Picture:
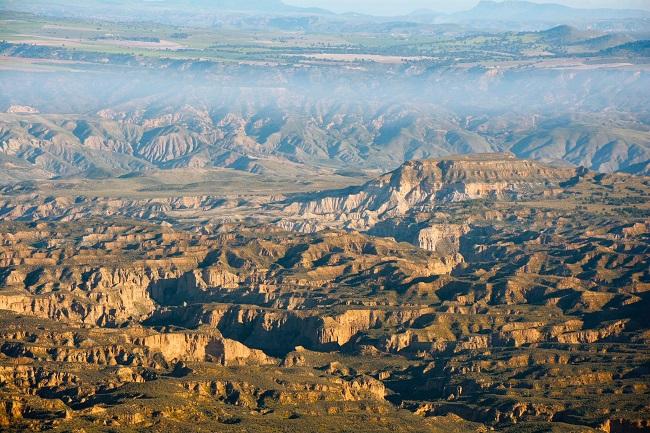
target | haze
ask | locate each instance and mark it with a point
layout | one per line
(242, 216)
(392, 7)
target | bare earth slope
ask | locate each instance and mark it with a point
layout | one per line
(458, 294)
(421, 185)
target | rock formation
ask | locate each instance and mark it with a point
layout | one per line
(480, 293)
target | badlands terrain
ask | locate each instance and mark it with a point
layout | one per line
(221, 216)
(462, 294)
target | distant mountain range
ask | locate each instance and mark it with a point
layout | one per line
(525, 11)
(123, 6)
(509, 14)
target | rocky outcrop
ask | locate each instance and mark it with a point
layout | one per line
(420, 185)
(77, 208)
(97, 309)
(442, 238)
(506, 313)
(202, 347)
(22, 109)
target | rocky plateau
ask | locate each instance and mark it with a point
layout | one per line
(459, 294)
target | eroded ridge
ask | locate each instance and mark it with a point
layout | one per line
(520, 305)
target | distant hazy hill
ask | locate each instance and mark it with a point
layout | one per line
(507, 15)
(179, 12)
(329, 134)
(229, 4)
(636, 48)
(232, 5)
(262, 5)
(526, 14)
(591, 40)
(564, 33)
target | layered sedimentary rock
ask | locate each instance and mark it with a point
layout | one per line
(443, 237)
(519, 308)
(417, 186)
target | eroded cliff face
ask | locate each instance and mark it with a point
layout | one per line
(71, 283)
(203, 347)
(133, 346)
(279, 332)
(419, 185)
(36, 207)
(500, 312)
(442, 238)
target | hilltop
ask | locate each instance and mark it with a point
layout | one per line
(419, 185)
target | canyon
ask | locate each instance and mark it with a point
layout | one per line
(249, 216)
(463, 293)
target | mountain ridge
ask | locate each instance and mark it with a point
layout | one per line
(529, 14)
(420, 185)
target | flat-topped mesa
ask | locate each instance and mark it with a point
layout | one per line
(417, 185)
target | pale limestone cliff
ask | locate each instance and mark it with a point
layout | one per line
(418, 185)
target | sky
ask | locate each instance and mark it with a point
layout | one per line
(395, 7)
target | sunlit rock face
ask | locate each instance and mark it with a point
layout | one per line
(244, 216)
(418, 186)
(428, 289)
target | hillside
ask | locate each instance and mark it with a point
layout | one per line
(198, 127)
(477, 301)
(249, 217)
(531, 15)
(419, 186)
